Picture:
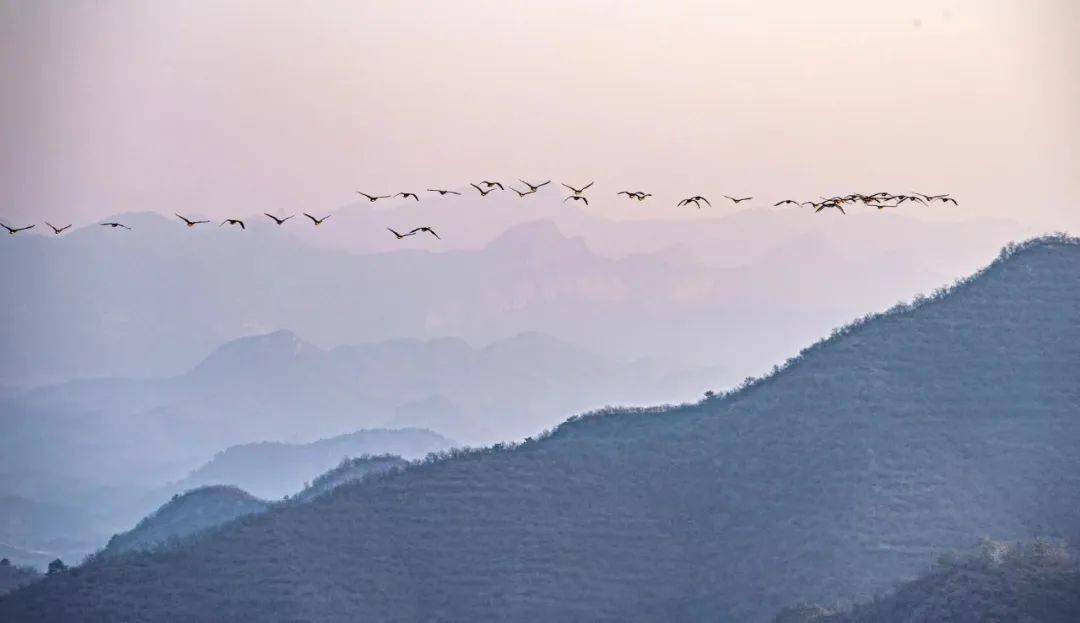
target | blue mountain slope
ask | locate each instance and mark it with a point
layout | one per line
(902, 436)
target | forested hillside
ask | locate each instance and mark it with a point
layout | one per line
(847, 470)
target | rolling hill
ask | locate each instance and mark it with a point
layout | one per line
(272, 470)
(1037, 581)
(184, 515)
(848, 469)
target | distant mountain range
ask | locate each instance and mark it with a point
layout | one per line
(733, 292)
(210, 506)
(61, 516)
(272, 470)
(851, 467)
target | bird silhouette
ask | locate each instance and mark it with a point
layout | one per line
(399, 235)
(492, 184)
(578, 191)
(14, 230)
(576, 198)
(830, 204)
(522, 193)
(317, 221)
(373, 198)
(947, 200)
(407, 195)
(277, 220)
(738, 199)
(233, 221)
(629, 194)
(780, 203)
(115, 225)
(534, 187)
(422, 229)
(696, 200)
(483, 193)
(443, 191)
(640, 196)
(57, 230)
(190, 223)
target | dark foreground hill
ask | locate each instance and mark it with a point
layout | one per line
(1032, 582)
(13, 576)
(902, 436)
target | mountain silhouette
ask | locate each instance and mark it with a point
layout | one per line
(851, 467)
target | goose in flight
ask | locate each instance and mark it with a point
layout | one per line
(522, 193)
(696, 200)
(233, 221)
(738, 200)
(791, 201)
(534, 187)
(277, 220)
(637, 194)
(947, 200)
(578, 191)
(407, 195)
(423, 229)
(190, 223)
(57, 230)
(829, 204)
(483, 193)
(115, 225)
(399, 235)
(576, 198)
(372, 198)
(640, 196)
(443, 192)
(492, 184)
(14, 230)
(317, 221)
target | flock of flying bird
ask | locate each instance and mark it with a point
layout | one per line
(879, 200)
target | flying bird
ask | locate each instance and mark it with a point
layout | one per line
(277, 220)
(423, 229)
(399, 235)
(483, 193)
(947, 200)
(443, 191)
(14, 230)
(630, 195)
(696, 200)
(578, 191)
(190, 223)
(830, 204)
(373, 198)
(407, 195)
(534, 187)
(233, 221)
(576, 198)
(317, 221)
(57, 230)
(522, 193)
(738, 199)
(780, 203)
(492, 184)
(115, 225)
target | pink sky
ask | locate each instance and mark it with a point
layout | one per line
(207, 106)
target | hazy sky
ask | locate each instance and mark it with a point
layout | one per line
(207, 106)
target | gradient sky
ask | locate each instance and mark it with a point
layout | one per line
(203, 106)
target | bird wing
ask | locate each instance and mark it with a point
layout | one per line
(586, 186)
(313, 219)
